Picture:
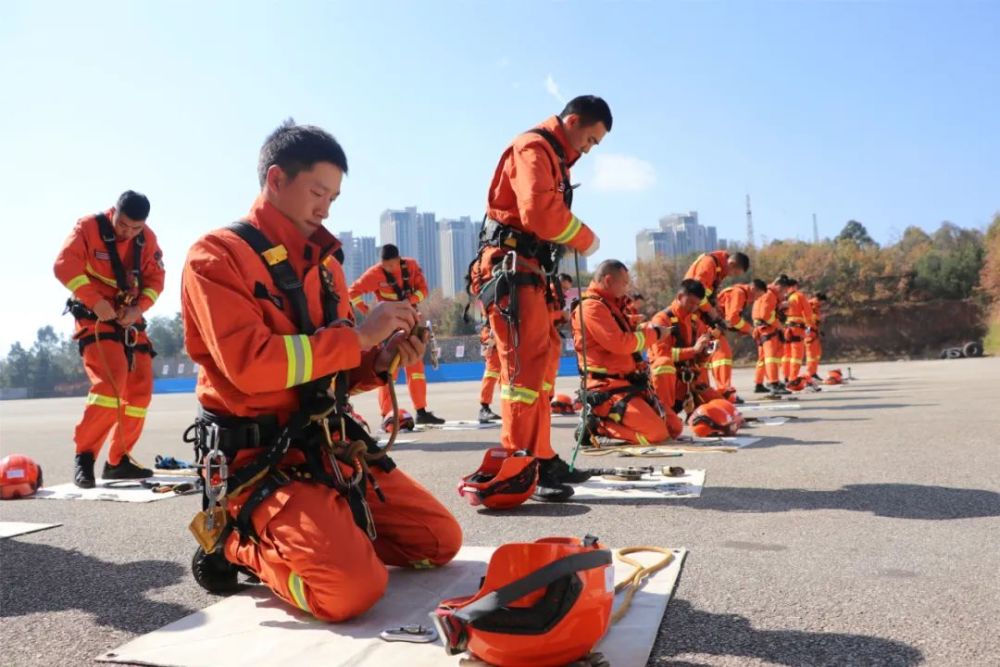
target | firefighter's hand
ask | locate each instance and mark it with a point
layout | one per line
(703, 341)
(409, 347)
(105, 311)
(594, 247)
(129, 315)
(661, 332)
(385, 319)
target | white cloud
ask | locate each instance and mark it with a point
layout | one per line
(553, 89)
(622, 173)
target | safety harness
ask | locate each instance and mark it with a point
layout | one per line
(638, 380)
(403, 291)
(129, 285)
(323, 428)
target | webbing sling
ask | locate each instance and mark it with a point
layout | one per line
(557, 148)
(107, 231)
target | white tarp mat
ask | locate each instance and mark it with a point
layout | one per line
(15, 528)
(768, 421)
(656, 486)
(125, 491)
(772, 406)
(255, 628)
(455, 425)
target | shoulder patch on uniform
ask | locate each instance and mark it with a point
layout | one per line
(102, 254)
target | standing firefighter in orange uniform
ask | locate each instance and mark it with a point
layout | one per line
(114, 268)
(814, 347)
(676, 360)
(397, 278)
(732, 301)
(710, 269)
(767, 333)
(798, 322)
(528, 222)
(623, 404)
(491, 375)
(297, 493)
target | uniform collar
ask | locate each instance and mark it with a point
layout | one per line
(555, 126)
(280, 230)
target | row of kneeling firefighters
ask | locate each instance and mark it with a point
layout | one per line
(296, 491)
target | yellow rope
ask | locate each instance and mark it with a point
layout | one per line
(634, 581)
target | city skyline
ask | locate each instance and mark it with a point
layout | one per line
(679, 234)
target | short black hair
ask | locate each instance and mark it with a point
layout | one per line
(591, 109)
(742, 259)
(760, 284)
(821, 296)
(783, 280)
(389, 251)
(133, 204)
(692, 287)
(637, 296)
(565, 276)
(793, 282)
(296, 148)
(608, 267)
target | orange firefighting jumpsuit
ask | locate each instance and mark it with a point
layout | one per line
(491, 375)
(767, 333)
(710, 269)
(798, 316)
(677, 348)
(614, 352)
(119, 397)
(252, 358)
(414, 289)
(527, 195)
(814, 348)
(731, 302)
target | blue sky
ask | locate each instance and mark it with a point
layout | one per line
(886, 112)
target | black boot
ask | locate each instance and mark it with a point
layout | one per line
(214, 573)
(760, 389)
(426, 417)
(486, 415)
(778, 389)
(817, 378)
(554, 472)
(127, 468)
(83, 470)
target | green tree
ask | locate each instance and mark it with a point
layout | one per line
(166, 334)
(856, 233)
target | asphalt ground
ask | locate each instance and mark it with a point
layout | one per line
(863, 533)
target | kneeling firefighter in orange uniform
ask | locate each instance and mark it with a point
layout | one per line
(114, 268)
(528, 222)
(397, 278)
(297, 493)
(622, 403)
(676, 361)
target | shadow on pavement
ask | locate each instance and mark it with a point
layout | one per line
(686, 630)
(877, 406)
(43, 578)
(897, 501)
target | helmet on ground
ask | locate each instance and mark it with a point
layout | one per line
(834, 377)
(545, 603)
(715, 418)
(562, 404)
(503, 480)
(20, 477)
(406, 422)
(798, 384)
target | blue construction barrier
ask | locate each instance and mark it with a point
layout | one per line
(454, 372)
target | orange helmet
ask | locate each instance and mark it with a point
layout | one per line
(20, 477)
(406, 422)
(717, 417)
(562, 404)
(798, 384)
(545, 603)
(503, 480)
(734, 412)
(834, 377)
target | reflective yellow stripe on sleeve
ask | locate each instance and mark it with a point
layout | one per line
(664, 370)
(76, 283)
(298, 349)
(151, 293)
(571, 230)
(640, 341)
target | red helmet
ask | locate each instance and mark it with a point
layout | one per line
(798, 384)
(562, 404)
(544, 603)
(504, 480)
(834, 377)
(734, 412)
(717, 417)
(20, 477)
(406, 422)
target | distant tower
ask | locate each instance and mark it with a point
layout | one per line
(815, 230)
(750, 242)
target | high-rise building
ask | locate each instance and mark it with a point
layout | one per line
(360, 252)
(416, 235)
(459, 241)
(652, 243)
(679, 234)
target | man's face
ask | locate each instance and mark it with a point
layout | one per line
(305, 199)
(391, 265)
(689, 302)
(566, 284)
(125, 227)
(734, 268)
(616, 283)
(583, 137)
